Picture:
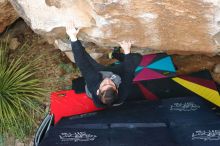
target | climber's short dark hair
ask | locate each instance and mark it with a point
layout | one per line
(109, 96)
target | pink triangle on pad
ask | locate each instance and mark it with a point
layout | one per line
(147, 59)
(147, 74)
(147, 93)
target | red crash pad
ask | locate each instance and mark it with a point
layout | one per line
(68, 103)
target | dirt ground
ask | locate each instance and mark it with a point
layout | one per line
(57, 71)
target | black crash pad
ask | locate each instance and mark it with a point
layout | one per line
(168, 122)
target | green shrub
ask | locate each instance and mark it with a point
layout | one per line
(20, 94)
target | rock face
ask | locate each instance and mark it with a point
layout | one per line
(180, 26)
(217, 69)
(7, 14)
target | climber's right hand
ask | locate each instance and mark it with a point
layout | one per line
(126, 46)
(72, 31)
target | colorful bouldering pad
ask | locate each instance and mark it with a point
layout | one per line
(155, 66)
(196, 84)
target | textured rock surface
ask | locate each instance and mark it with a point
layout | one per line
(217, 69)
(66, 48)
(14, 43)
(7, 14)
(182, 26)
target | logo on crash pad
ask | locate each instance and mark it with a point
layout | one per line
(206, 135)
(186, 107)
(77, 137)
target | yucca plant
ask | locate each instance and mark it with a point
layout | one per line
(20, 94)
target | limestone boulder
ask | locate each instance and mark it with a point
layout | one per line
(176, 26)
(7, 14)
(217, 69)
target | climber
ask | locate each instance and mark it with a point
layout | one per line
(106, 85)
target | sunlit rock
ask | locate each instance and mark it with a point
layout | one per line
(7, 14)
(177, 26)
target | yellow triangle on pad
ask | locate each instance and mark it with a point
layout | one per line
(207, 93)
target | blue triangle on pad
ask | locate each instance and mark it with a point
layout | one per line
(139, 68)
(164, 64)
